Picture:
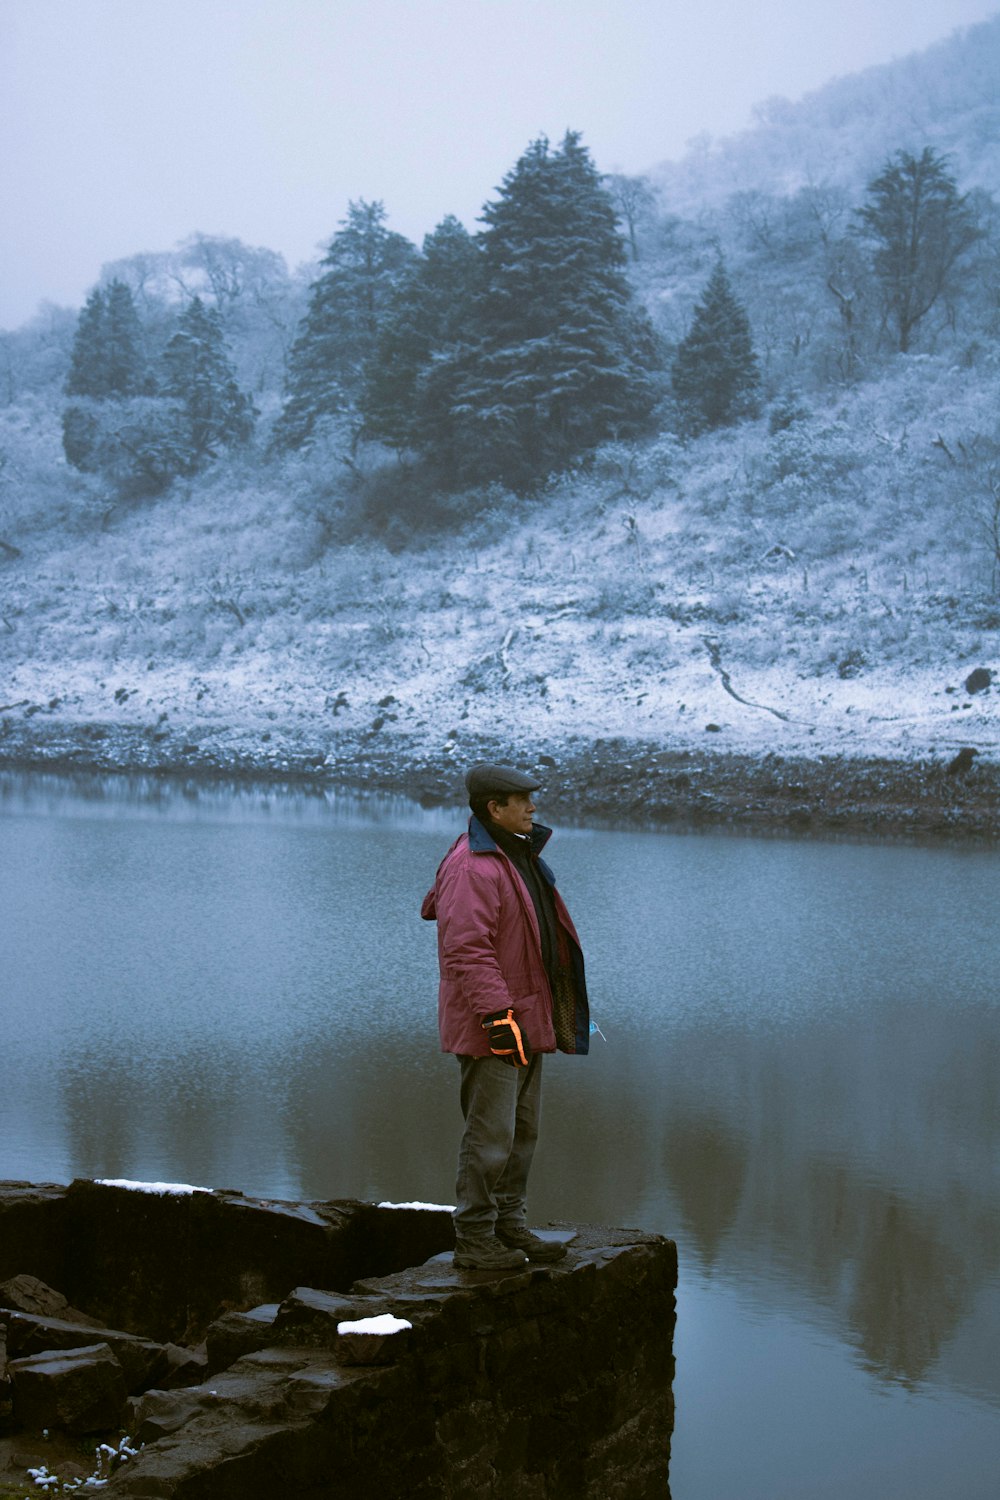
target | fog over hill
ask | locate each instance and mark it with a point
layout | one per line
(814, 572)
(947, 97)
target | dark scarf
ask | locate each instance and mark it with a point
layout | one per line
(525, 861)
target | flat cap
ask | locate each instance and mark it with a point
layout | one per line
(482, 779)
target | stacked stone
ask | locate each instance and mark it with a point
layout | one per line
(387, 1371)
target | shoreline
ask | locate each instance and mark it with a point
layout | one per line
(622, 780)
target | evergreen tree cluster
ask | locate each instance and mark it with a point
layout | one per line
(140, 427)
(510, 354)
(502, 356)
(835, 282)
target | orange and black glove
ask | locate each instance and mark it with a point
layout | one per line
(506, 1039)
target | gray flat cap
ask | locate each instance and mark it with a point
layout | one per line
(482, 779)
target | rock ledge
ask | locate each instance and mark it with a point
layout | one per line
(213, 1335)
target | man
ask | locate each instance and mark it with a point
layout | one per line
(512, 988)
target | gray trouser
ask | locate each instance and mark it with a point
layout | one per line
(502, 1108)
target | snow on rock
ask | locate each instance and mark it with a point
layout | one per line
(440, 1208)
(149, 1187)
(384, 1323)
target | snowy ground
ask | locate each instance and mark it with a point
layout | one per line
(703, 736)
(221, 632)
(256, 702)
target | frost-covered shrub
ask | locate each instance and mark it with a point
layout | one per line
(138, 445)
(727, 603)
(785, 412)
(721, 481)
(834, 528)
(623, 594)
(819, 454)
(35, 357)
(356, 491)
(651, 650)
(637, 468)
(37, 490)
(80, 437)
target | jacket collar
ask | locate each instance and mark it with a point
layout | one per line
(480, 842)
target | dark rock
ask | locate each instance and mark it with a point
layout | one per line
(978, 680)
(357, 1345)
(29, 1295)
(142, 1361)
(159, 1413)
(961, 765)
(504, 1387)
(32, 1231)
(203, 1254)
(308, 1317)
(543, 1383)
(184, 1366)
(239, 1333)
(81, 1390)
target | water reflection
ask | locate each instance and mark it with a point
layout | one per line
(705, 1165)
(801, 1079)
(187, 798)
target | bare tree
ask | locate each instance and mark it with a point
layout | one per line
(635, 203)
(919, 225)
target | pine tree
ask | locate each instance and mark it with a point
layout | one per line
(107, 362)
(427, 316)
(107, 367)
(88, 370)
(125, 363)
(715, 374)
(199, 376)
(347, 305)
(557, 357)
(919, 226)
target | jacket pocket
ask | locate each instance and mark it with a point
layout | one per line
(534, 1015)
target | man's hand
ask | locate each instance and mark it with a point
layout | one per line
(506, 1039)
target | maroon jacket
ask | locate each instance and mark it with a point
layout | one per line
(490, 948)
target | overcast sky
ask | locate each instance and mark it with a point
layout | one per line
(126, 125)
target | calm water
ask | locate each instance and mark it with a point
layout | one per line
(800, 1084)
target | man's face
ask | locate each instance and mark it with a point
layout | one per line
(515, 814)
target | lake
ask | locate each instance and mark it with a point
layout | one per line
(800, 1083)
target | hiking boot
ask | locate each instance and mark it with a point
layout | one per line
(486, 1253)
(534, 1247)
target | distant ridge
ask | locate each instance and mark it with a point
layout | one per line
(947, 96)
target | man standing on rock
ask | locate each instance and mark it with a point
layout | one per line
(512, 988)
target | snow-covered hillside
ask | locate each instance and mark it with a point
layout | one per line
(828, 593)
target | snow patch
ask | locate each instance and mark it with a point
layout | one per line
(149, 1187)
(384, 1323)
(436, 1208)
